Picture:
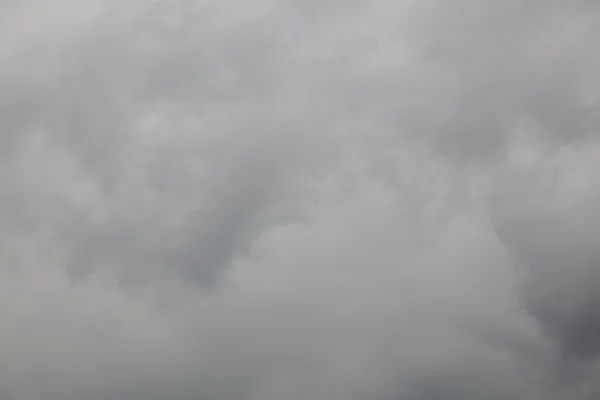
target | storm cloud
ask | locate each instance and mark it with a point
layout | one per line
(298, 199)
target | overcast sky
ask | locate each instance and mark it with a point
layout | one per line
(299, 199)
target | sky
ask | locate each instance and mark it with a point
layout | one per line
(299, 199)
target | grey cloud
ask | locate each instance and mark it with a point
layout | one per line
(515, 70)
(218, 219)
(298, 199)
(103, 77)
(485, 66)
(550, 231)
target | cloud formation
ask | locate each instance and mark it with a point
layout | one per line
(296, 199)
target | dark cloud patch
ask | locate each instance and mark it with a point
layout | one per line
(551, 233)
(208, 227)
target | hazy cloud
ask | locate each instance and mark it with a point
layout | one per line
(299, 199)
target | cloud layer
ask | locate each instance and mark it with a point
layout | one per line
(297, 199)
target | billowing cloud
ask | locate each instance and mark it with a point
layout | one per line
(297, 199)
